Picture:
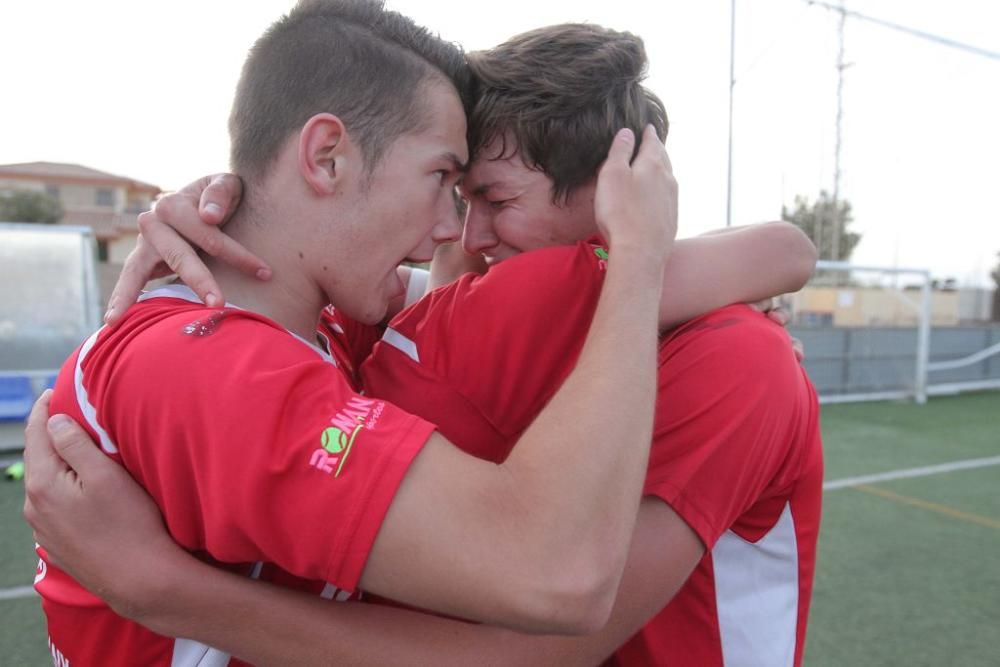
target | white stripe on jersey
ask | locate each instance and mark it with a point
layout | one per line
(188, 653)
(88, 410)
(757, 596)
(401, 343)
(187, 294)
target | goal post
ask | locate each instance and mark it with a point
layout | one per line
(866, 331)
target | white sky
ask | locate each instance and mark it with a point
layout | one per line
(143, 89)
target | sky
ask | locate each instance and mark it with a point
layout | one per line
(143, 89)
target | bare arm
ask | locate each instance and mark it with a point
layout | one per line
(303, 631)
(737, 265)
(540, 541)
(451, 261)
(268, 625)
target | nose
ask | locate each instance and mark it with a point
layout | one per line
(449, 227)
(478, 235)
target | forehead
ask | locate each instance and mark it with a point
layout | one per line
(487, 171)
(444, 122)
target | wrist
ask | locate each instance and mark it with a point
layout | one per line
(642, 256)
(145, 591)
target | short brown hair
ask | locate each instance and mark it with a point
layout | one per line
(560, 94)
(352, 58)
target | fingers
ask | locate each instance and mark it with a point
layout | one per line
(620, 153)
(74, 445)
(182, 259)
(798, 349)
(41, 463)
(219, 244)
(779, 315)
(652, 150)
(140, 266)
(220, 198)
(763, 306)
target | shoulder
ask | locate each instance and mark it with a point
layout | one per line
(169, 342)
(731, 355)
(737, 334)
(522, 287)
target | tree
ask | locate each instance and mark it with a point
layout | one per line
(30, 206)
(818, 220)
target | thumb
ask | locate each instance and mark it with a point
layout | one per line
(73, 444)
(220, 198)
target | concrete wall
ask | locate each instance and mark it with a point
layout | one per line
(872, 306)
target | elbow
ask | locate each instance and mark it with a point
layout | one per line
(800, 252)
(570, 599)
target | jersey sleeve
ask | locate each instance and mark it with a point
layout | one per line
(481, 357)
(731, 402)
(255, 449)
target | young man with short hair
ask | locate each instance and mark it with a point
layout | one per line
(736, 465)
(297, 479)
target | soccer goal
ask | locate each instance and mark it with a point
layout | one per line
(866, 331)
(882, 333)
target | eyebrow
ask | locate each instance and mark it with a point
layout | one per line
(482, 189)
(457, 164)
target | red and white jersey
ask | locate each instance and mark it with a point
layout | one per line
(736, 449)
(351, 342)
(737, 454)
(261, 458)
(348, 341)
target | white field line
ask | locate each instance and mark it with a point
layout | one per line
(924, 471)
(17, 592)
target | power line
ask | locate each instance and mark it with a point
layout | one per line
(913, 32)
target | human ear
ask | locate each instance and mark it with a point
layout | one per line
(324, 153)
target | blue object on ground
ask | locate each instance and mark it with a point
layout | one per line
(16, 397)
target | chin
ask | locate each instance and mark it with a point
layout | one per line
(371, 315)
(364, 311)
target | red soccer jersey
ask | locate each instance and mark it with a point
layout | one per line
(736, 449)
(348, 341)
(261, 458)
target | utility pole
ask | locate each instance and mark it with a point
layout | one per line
(841, 66)
(835, 221)
(732, 84)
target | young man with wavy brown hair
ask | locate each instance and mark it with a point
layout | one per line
(735, 444)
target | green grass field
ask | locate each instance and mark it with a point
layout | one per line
(908, 571)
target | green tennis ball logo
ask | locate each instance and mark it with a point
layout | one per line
(334, 440)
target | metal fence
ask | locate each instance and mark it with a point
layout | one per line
(858, 363)
(851, 364)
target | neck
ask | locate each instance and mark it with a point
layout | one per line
(290, 297)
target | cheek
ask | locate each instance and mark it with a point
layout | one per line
(512, 227)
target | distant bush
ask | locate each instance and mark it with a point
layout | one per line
(30, 206)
